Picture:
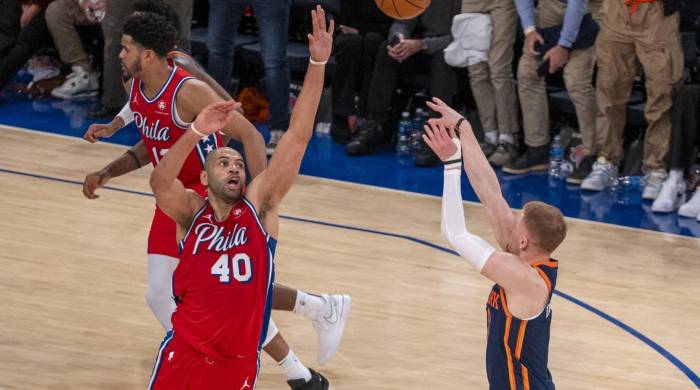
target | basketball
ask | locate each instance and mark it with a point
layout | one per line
(402, 9)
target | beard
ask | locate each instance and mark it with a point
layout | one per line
(130, 72)
(220, 191)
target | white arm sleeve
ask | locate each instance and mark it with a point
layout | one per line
(126, 114)
(471, 247)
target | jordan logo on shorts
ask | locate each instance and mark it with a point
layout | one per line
(245, 384)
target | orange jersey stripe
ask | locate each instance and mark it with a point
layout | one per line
(506, 335)
(518, 350)
(526, 379)
(545, 277)
(548, 263)
(521, 339)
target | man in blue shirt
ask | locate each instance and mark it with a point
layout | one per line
(578, 76)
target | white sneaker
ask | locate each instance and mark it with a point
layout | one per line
(330, 323)
(79, 83)
(692, 208)
(653, 180)
(671, 196)
(603, 175)
(275, 137)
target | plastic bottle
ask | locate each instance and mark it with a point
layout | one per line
(403, 144)
(417, 130)
(555, 155)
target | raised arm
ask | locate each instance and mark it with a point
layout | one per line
(481, 176)
(503, 268)
(196, 94)
(177, 202)
(274, 184)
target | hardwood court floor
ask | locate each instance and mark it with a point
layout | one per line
(72, 280)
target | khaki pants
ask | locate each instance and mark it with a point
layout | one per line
(61, 18)
(578, 78)
(649, 38)
(492, 82)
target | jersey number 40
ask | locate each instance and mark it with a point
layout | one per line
(239, 267)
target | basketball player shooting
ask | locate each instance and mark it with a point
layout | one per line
(224, 279)
(518, 308)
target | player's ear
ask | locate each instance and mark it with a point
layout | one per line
(523, 242)
(203, 178)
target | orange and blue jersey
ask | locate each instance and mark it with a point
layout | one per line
(517, 349)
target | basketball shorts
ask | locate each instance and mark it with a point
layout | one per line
(179, 366)
(162, 239)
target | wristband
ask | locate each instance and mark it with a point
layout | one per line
(320, 63)
(194, 130)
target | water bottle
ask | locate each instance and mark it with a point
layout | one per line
(555, 155)
(403, 144)
(417, 130)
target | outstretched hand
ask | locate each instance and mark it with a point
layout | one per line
(214, 116)
(321, 38)
(449, 117)
(439, 139)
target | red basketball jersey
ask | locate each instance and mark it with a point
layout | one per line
(160, 126)
(223, 283)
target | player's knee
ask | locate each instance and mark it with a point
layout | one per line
(271, 332)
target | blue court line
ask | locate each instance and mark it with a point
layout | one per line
(661, 350)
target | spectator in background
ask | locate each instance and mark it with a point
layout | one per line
(272, 19)
(62, 17)
(578, 76)
(24, 32)
(419, 44)
(492, 82)
(639, 32)
(363, 27)
(685, 135)
(113, 94)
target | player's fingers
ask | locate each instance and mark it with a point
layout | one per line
(433, 106)
(331, 27)
(321, 18)
(314, 22)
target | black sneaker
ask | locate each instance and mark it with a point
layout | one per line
(504, 154)
(534, 159)
(340, 131)
(369, 137)
(582, 171)
(487, 147)
(317, 382)
(425, 156)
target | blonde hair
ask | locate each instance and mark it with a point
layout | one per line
(546, 225)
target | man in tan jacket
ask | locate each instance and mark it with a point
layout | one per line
(635, 32)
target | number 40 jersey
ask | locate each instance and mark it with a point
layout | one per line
(223, 283)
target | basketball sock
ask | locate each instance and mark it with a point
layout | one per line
(491, 137)
(308, 304)
(293, 368)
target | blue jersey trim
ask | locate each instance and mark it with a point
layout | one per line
(156, 367)
(165, 86)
